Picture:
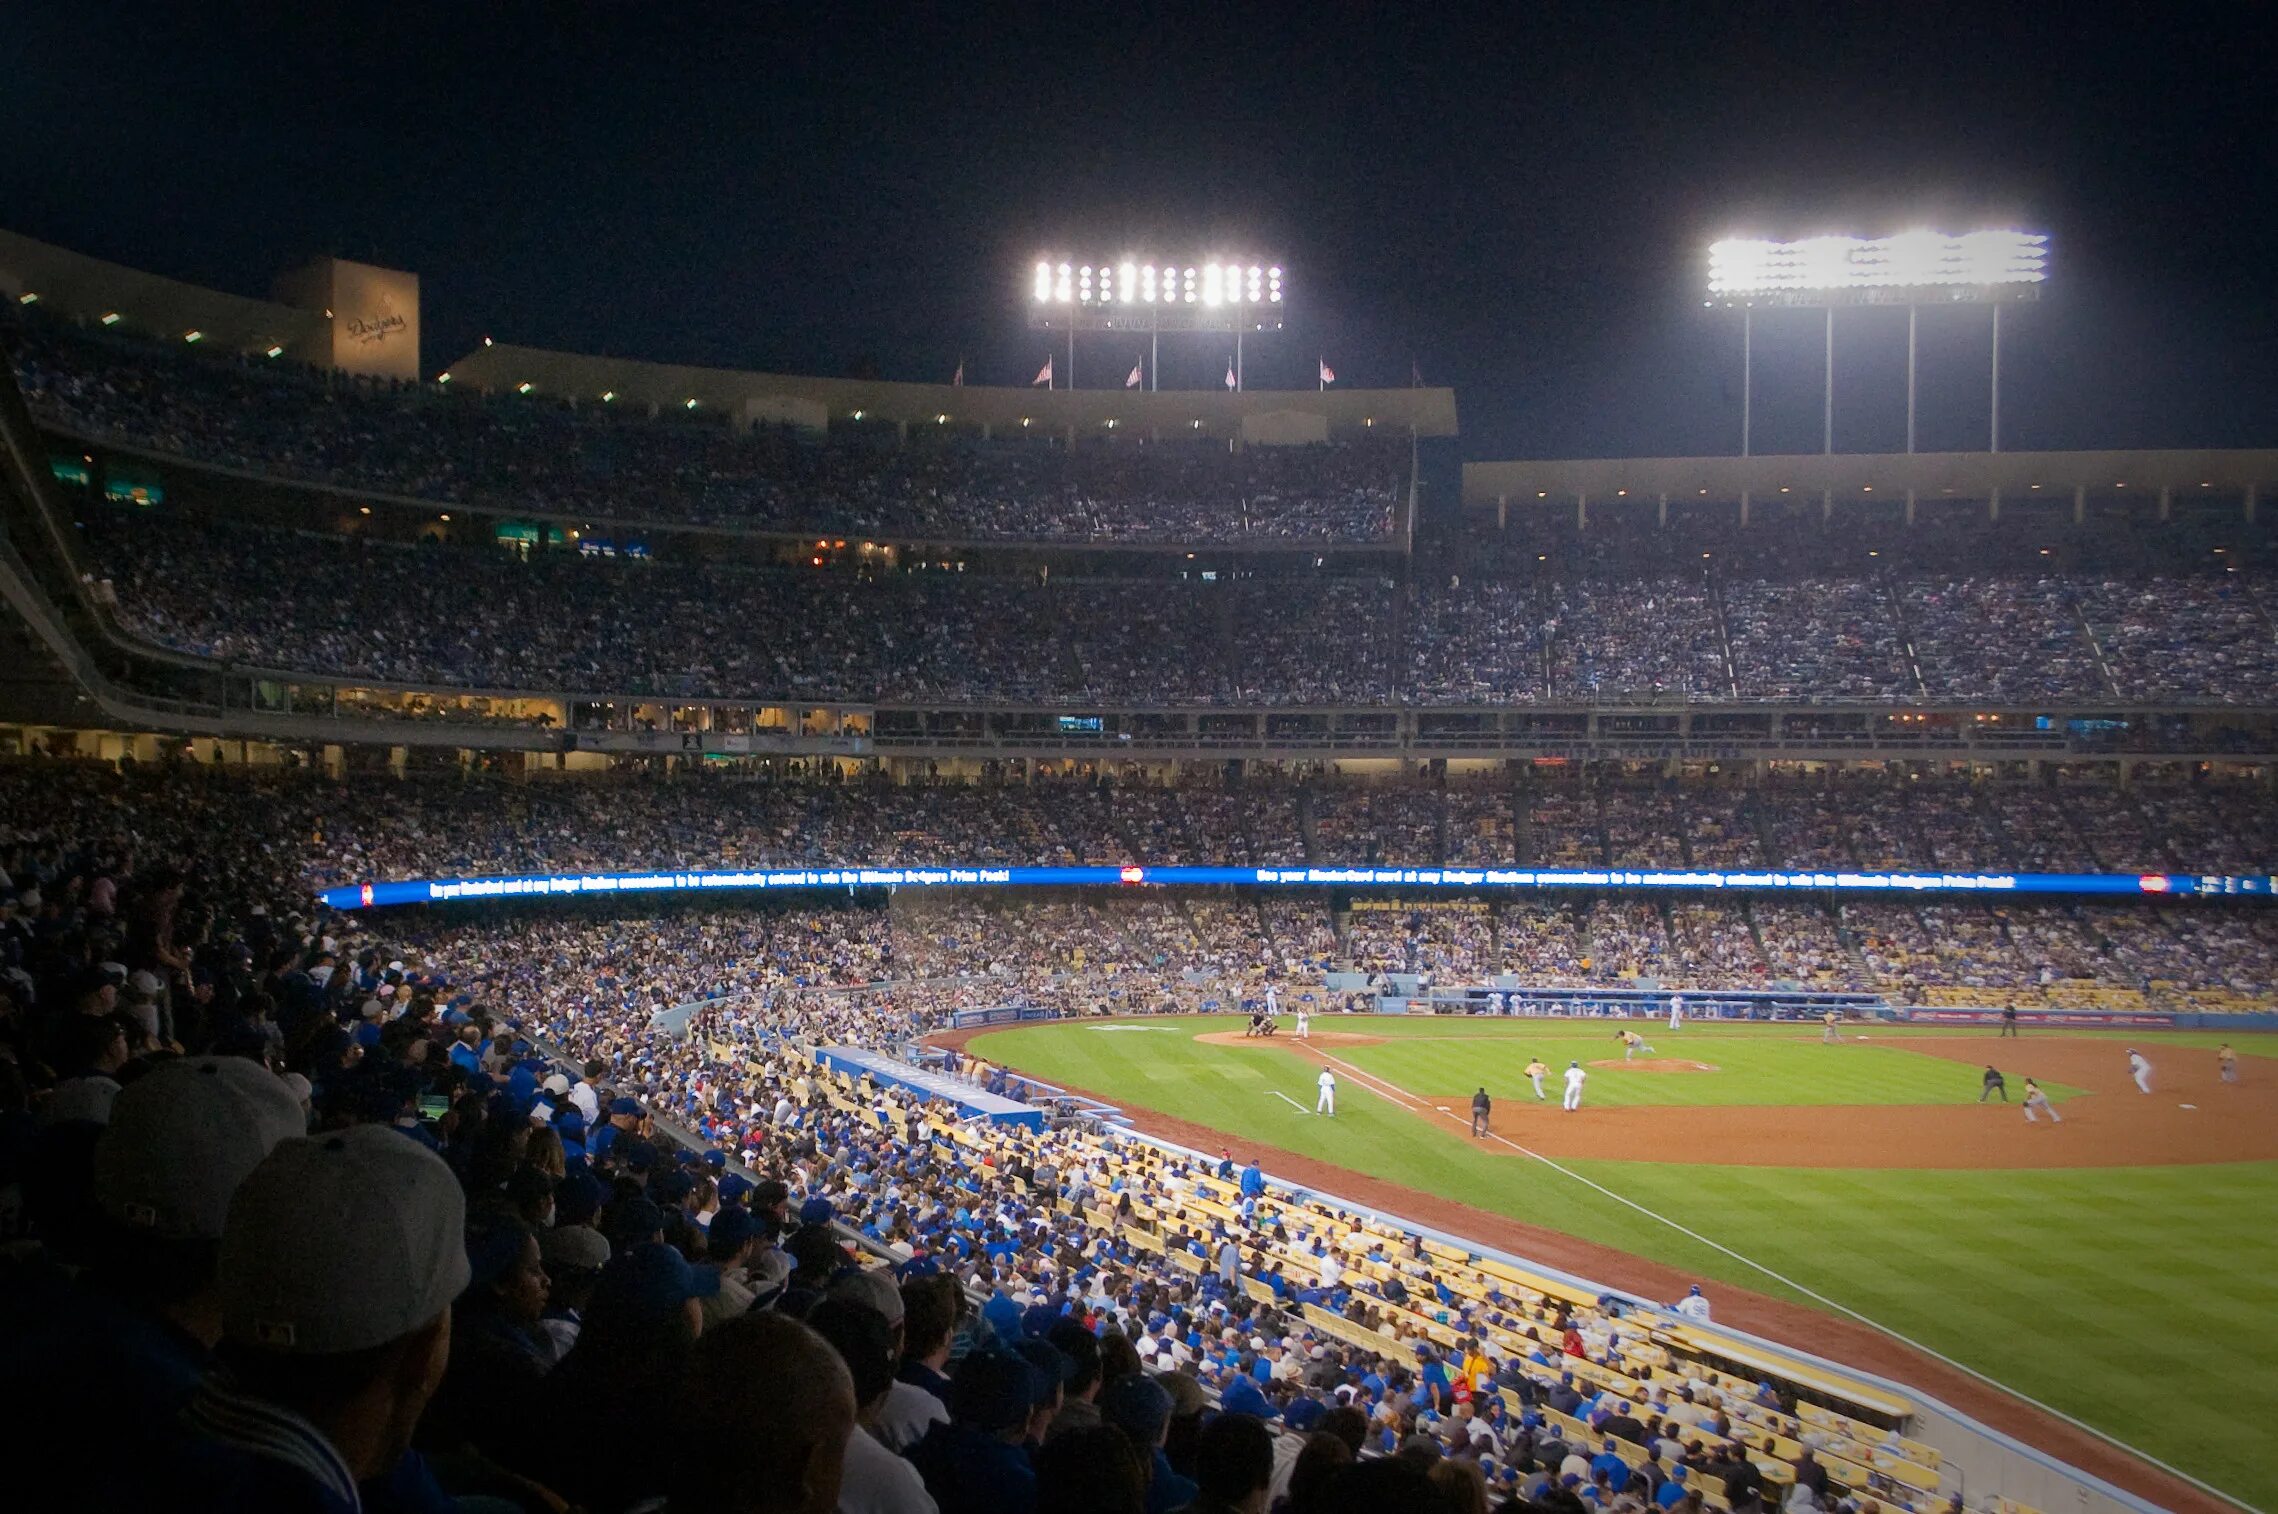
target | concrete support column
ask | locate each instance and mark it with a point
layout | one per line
(2166, 501)
(2080, 504)
(1581, 512)
(1827, 504)
(1502, 512)
(1664, 518)
(1910, 507)
(1744, 507)
(1993, 506)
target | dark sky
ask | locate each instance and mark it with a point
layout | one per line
(1517, 196)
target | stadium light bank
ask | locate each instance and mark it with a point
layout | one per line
(1913, 268)
(1138, 295)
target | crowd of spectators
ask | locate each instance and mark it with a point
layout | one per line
(538, 454)
(346, 1213)
(475, 616)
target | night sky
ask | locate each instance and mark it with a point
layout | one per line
(1516, 197)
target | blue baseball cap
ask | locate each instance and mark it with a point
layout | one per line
(651, 1281)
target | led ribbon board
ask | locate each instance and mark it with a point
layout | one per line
(559, 885)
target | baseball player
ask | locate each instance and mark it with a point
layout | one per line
(1993, 1084)
(1537, 1070)
(1828, 1034)
(1326, 1102)
(1304, 1023)
(1273, 1003)
(2009, 1019)
(1574, 1078)
(2227, 1060)
(1676, 1011)
(2140, 1069)
(2037, 1100)
(1481, 1107)
(1631, 1043)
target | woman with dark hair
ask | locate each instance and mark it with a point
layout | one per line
(602, 1413)
(479, 1413)
(1090, 1471)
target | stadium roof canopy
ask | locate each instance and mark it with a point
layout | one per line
(2008, 477)
(89, 289)
(816, 402)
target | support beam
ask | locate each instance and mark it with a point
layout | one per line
(1910, 507)
(1744, 507)
(1993, 506)
(1665, 511)
(2080, 504)
(2251, 490)
(1581, 512)
(2166, 501)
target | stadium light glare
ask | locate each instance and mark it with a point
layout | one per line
(1913, 266)
(27, 298)
(193, 336)
(110, 317)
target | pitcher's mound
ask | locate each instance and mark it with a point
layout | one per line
(1282, 1037)
(1657, 1064)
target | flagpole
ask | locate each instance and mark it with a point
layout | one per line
(1237, 360)
(1155, 350)
(1071, 354)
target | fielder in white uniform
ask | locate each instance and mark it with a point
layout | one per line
(1304, 1022)
(1574, 1077)
(1326, 1103)
(1676, 1010)
(2140, 1070)
(2037, 1104)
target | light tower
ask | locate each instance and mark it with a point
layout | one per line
(1913, 269)
(1140, 295)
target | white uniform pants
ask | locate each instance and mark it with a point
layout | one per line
(2143, 1079)
(1536, 1079)
(1326, 1103)
(1573, 1096)
(2046, 1108)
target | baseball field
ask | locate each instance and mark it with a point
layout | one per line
(2118, 1266)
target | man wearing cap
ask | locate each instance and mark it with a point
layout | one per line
(730, 1243)
(133, 1338)
(876, 1481)
(974, 1463)
(340, 1257)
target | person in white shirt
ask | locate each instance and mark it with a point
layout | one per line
(1676, 1011)
(1327, 1102)
(1693, 1306)
(1574, 1078)
(2139, 1069)
(1332, 1271)
(875, 1481)
(1304, 1024)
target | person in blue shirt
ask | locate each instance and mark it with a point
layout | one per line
(1253, 1180)
(1609, 1462)
(1672, 1493)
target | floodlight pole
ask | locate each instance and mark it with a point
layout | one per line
(1071, 354)
(1995, 443)
(1237, 359)
(1910, 311)
(1827, 426)
(1747, 365)
(1154, 348)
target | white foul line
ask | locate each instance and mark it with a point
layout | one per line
(1286, 1099)
(1408, 1100)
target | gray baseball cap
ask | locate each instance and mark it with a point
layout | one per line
(342, 1242)
(183, 1136)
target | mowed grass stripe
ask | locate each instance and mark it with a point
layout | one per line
(2141, 1300)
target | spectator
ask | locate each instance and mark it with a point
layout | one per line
(765, 1421)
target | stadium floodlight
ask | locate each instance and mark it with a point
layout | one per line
(1229, 294)
(1913, 267)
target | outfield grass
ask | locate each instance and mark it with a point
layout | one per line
(2142, 1299)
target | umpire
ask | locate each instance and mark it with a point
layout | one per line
(1481, 1106)
(1993, 1085)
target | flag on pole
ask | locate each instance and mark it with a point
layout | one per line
(957, 379)
(1328, 374)
(1231, 381)
(1043, 375)
(1131, 381)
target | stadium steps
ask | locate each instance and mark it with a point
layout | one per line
(1723, 632)
(1598, 825)
(1891, 591)
(2095, 647)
